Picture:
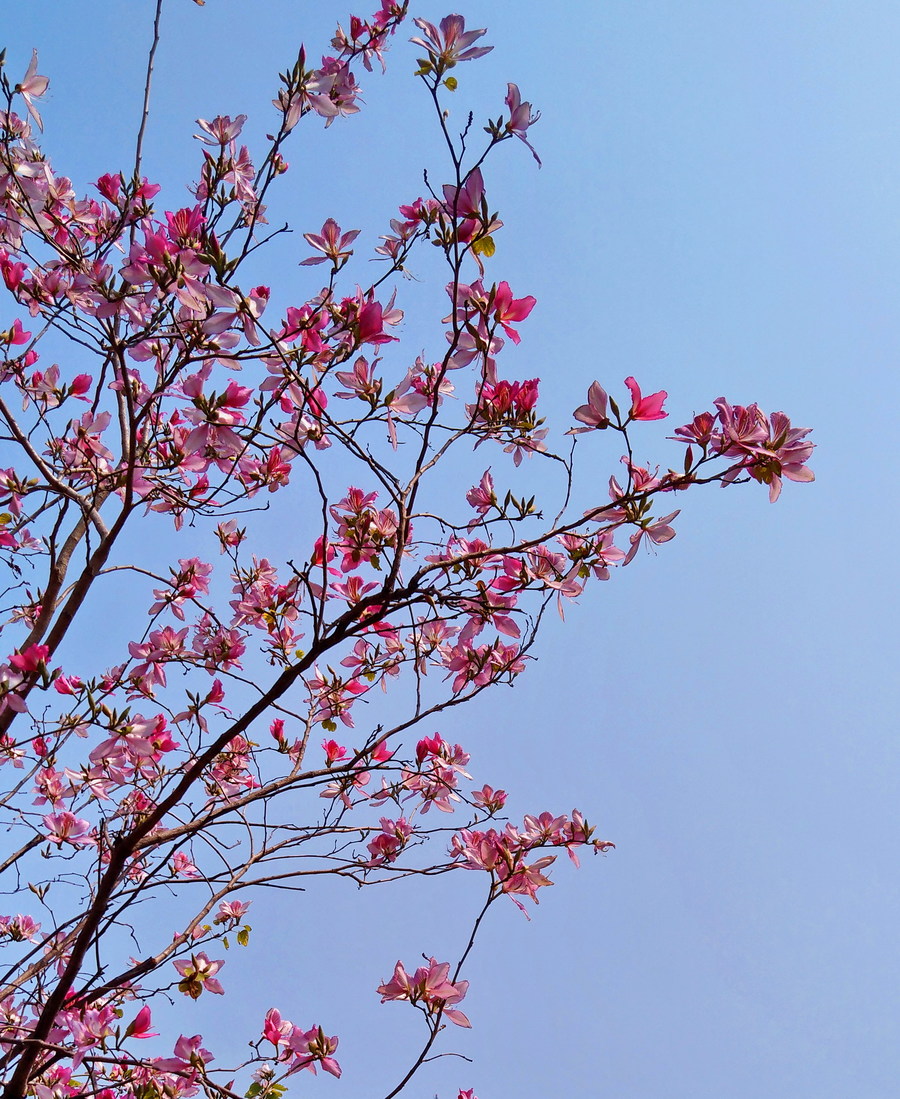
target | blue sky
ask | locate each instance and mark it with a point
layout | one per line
(717, 214)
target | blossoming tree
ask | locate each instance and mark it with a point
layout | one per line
(228, 748)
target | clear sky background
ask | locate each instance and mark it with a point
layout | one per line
(717, 215)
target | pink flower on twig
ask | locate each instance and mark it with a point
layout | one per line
(198, 974)
(646, 408)
(429, 987)
(33, 87)
(65, 827)
(520, 118)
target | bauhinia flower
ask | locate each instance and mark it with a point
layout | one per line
(33, 87)
(430, 988)
(594, 413)
(332, 242)
(645, 408)
(65, 827)
(198, 974)
(451, 44)
(520, 117)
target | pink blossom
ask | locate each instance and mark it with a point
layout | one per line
(656, 531)
(189, 1056)
(645, 408)
(333, 752)
(699, 430)
(387, 845)
(506, 309)
(31, 660)
(65, 827)
(332, 243)
(466, 201)
(19, 928)
(221, 130)
(16, 335)
(182, 866)
(139, 1027)
(481, 496)
(312, 1047)
(198, 974)
(33, 87)
(275, 1029)
(520, 117)
(784, 454)
(429, 986)
(489, 799)
(594, 413)
(451, 44)
(770, 447)
(232, 912)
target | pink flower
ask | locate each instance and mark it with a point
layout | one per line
(465, 201)
(332, 242)
(182, 866)
(189, 1055)
(16, 335)
(699, 430)
(275, 1029)
(645, 408)
(520, 117)
(481, 496)
(489, 799)
(451, 44)
(333, 752)
(31, 660)
(198, 974)
(221, 130)
(771, 448)
(232, 912)
(67, 684)
(430, 986)
(65, 827)
(139, 1027)
(784, 454)
(657, 532)
(594, 413)
(312, 1047)
(388, 844)
(19, 928)
(33, 87)
(507, 308)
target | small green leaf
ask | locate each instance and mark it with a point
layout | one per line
(243, 936)
(451, 84)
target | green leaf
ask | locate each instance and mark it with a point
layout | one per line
(451, 83)
(243, 936)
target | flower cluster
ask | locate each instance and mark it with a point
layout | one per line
(429, 989)
(505, 854)
(226, 409)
